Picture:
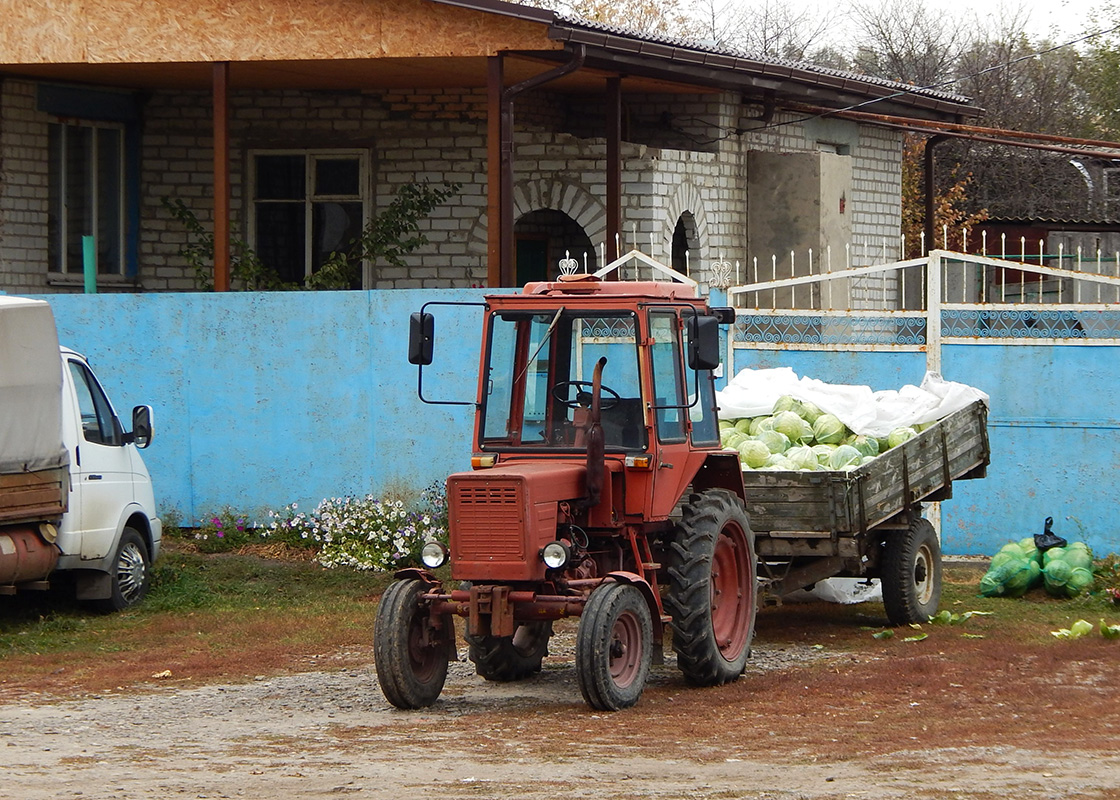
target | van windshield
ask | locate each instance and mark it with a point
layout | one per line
(540, 367)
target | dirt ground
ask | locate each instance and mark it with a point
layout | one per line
(946, 717)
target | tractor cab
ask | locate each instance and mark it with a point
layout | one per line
(595, 415)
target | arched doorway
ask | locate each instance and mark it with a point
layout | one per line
(543, 237)
(684, 241)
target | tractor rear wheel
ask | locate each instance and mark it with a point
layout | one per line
(712, 591)
(511, 658)
(911, 574)
(614, 647)
(409, 651)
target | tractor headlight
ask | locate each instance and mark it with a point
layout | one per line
(434, 555)
(555, 555)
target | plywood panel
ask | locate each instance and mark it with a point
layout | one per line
(131, 31)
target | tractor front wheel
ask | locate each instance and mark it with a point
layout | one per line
(511, 658)
(410, 648)
(614, 647)
(712, 588)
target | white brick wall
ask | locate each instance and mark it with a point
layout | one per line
(438, 136)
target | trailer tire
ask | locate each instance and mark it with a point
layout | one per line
(614, 647)
(511, 658)
(409, 653)
(911, 574)
(712, 561)
(130, 575)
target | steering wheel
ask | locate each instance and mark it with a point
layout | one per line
(583, 398)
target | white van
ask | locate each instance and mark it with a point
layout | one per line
(75, 495)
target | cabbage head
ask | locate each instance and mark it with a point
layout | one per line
(1056, 576)
(787, 402)
(733, 439)
(843, 456)
(810, 411)
(824, 453)
(726, 423)
(753, 453)
(1030, 550)
(866, 446)
(743, 425)
(1080, 581)
(802, 457)
(777, 461)
(828, 429)
(994, 582)
(775, 442)
(1009, 552)
(795, 428)
(1028, 575)
(900, 435)
(756, 425)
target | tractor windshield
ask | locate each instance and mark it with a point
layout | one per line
(539, 379)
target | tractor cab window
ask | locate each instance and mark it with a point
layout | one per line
(676, 384)
(540, 373)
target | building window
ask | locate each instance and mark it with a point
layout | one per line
(85, 196)
(306, 205)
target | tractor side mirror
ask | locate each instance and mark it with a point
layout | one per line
(421, 338)
(703, 342)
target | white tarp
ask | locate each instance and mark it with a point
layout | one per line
(753, 392)
(30, 387)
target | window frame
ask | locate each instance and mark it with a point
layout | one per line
(82, 376)
(311, 156)
(59, 266)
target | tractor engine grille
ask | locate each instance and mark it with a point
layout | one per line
(488, 520)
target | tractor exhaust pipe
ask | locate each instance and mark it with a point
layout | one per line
(596, 447)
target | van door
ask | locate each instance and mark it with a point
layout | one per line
(100, 465)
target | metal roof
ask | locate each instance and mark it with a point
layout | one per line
(706, 64)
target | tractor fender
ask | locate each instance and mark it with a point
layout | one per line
(642, 585)
(419, 574)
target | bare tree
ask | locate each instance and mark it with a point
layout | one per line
(910, 41)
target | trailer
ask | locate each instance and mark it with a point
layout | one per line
(867, 522)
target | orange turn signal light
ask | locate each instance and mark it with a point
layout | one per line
(482, 462)
(639, 462)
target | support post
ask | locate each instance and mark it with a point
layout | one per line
(221, 177)
(930, 192)
(614, 166)
(495, 168)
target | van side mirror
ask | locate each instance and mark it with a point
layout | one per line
(421, 338)
(141, 426)
(703, 342)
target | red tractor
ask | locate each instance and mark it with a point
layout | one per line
(598, 490)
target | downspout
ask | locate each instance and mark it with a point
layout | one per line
(507, 269)
(928, 177)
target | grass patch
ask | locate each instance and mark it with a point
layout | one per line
(206, 616)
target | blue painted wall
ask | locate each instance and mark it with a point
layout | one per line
(1053, 429)
(265, 399)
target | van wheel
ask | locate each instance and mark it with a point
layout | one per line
(130, 575)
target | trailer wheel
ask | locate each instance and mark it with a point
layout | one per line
(410, 653)
(511, 658)
(912, 574)
(614, 647)
(131, 573)
(712, 584)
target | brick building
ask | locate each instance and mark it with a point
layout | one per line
(307, 121)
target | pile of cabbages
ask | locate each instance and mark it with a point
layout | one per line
(1020, 566)
(798, 436)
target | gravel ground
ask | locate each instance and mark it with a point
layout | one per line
(329, 733)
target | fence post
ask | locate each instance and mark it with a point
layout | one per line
(933, 350)
(933, 311)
